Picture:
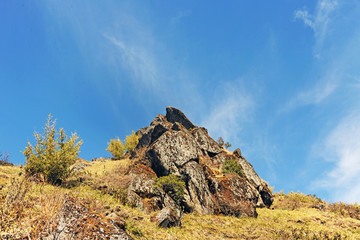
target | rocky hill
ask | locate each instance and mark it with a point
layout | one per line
(173, 145)
(175, 184)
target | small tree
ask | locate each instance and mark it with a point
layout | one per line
(116, 148)
(53, 153)
(221, 141)
(227, 145)
(131, 142)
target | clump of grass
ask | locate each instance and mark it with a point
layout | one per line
(26, 207)
(5, 159)
(292, 201)
(12, 207)
(346, 210)
(109, 177)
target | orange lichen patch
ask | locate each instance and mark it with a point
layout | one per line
(138, 169)
(230, 191)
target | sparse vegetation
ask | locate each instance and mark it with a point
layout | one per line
(116, 148)
(27, 208)
(221, 141)
(232, 166)
(172, 185)
(53, 153)
(227, 145)
(5, 159)
(223, 144)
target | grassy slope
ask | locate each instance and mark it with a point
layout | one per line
(27, 207)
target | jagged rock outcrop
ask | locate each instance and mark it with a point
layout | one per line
(172, 144)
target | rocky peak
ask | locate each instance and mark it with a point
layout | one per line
(172, 144)
(174, 115)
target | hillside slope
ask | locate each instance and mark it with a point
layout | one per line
(177, 177)
(27, 209)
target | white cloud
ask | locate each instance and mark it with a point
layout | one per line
(342, 146)
(319, 21)
(315, 95)
(306, 17)
(138, 61)
(334, 66)
(180, 15)
(233, 106)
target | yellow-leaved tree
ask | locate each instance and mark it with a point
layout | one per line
(116, 148)
(53, 153)
(131, 142)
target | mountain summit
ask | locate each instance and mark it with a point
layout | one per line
(173, 146)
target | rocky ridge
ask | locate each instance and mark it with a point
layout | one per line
(172, 144)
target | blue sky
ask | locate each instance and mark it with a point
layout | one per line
(280, 80)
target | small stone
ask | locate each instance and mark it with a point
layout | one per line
(237, 153)
(166, 218)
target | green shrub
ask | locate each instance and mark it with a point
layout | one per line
(116, 148)
(172, 185)
(131, 142)
(232, 166)
(53, 153)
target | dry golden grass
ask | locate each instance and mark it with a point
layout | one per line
(27, 207)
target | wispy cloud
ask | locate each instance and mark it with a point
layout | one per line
(342, 146)
(337, 53)
(125, 45)
(337, 41)
(138, 61)
(319, 21)
(232, 106)
(315, 95)
(306, 17)
(180, 15)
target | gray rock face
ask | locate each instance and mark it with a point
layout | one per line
(151, 134)
(172, 151)
(174, 115)
(200, 198)
(205, 142)
(250, 173)
(168, 147)
(142, 193)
